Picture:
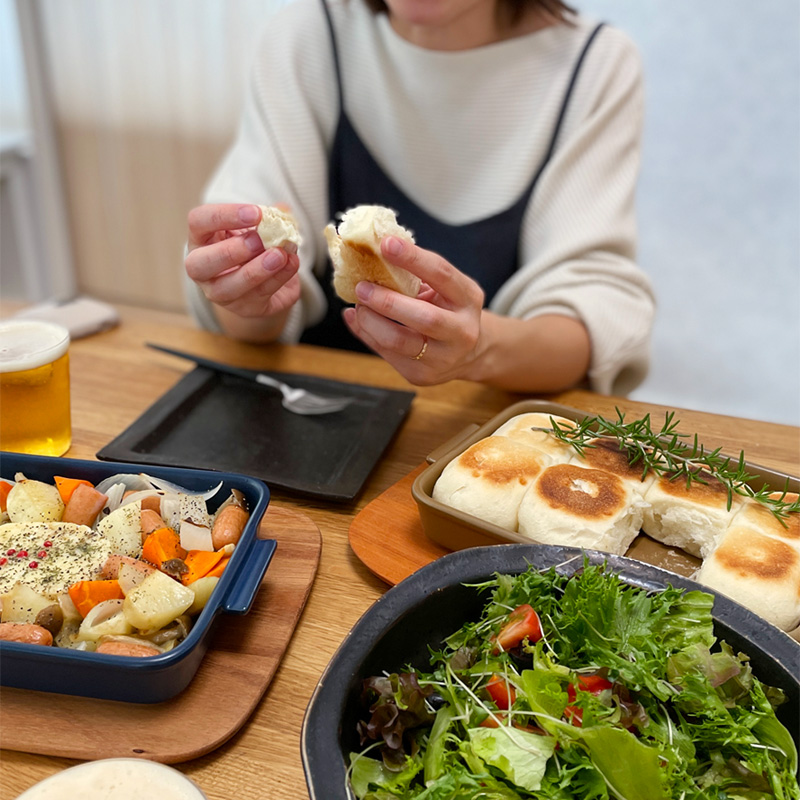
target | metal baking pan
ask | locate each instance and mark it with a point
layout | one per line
(457, 530)
(155, 678)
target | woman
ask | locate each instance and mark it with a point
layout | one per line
(505, 133)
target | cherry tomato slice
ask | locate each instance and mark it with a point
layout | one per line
(523, 623)
(501, 692)
(594, 684)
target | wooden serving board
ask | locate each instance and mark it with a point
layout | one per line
(243, 656)
(388, 537)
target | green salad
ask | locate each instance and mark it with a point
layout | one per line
(577, 687)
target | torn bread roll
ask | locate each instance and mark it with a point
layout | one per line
(691, 518)
(573, 506)
(522, 428)
(278, 228)
(758, 571)
(355, 251)
(489, 479)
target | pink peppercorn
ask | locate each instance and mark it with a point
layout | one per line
(33, 564)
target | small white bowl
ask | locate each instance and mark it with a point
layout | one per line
(116, 779)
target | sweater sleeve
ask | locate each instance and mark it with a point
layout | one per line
(279, 154)
(579, 234)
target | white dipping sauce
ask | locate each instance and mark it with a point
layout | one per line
(116, 779)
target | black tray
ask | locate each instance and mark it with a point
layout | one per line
(222, 422)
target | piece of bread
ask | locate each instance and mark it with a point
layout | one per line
(489, 479)
(572, 506)
(519, 428)
(692, 518)
(609, 455)
(757, 515)
(278, 228)
(355, 250)
(758, 571)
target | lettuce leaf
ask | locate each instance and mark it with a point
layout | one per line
(521, 756)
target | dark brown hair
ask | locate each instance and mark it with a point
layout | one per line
(514, 8)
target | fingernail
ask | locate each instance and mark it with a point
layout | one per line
(364, 291)
(253, 242)
(249, 215)
(394, 246)
(274, 259)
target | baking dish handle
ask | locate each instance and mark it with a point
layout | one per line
(437, 453)
(247, 580)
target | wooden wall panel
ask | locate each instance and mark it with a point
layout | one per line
(146, 98)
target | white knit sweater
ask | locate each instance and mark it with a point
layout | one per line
(462, 133)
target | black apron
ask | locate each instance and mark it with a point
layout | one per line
(487, 250)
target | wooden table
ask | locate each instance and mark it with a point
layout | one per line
(115, 378)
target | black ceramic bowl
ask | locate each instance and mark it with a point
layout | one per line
(434, 602)
(156, 678)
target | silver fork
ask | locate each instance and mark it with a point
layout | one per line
(296, 400)
(301, 401)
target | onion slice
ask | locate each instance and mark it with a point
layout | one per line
(168, 486)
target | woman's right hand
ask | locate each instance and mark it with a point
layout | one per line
(227, 260)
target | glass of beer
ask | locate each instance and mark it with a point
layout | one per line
(34, 388)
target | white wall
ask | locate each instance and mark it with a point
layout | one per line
(146, 95)
(719, 200)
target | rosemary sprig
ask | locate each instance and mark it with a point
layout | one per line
(669, 452)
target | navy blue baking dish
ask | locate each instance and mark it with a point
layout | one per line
(155, 678)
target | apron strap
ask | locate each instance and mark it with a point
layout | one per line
(336, 65)
(563, 110)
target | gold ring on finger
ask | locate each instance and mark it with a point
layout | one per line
(421, 353)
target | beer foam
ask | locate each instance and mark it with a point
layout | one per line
(27, 344)
(116, 779)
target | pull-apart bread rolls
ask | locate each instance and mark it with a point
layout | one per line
(690, 518)
(756, 562)
(572, 506)
(278, 228)
(489, 479)
(522, 428)
(609, 455)
(355, 250)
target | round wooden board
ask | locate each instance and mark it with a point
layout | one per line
(243, 656)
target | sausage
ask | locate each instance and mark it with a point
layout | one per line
(228, 526)
(25, 632)
(152, 502)
(127, 649)
(151, 521)
(112, 564)
(84, 505)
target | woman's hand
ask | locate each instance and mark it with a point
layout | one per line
(429, 339)
(227, 260)
(445, 333)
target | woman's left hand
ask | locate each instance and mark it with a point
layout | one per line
(429, 339)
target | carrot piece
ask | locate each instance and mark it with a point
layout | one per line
(84, 504)
(162, 545)
(200, 563)
(87, 594)
(218, 570)
(5, 488)
(66, 486)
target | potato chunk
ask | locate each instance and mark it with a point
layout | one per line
(156, 601)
